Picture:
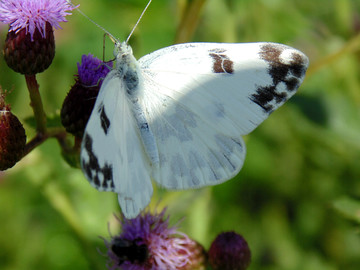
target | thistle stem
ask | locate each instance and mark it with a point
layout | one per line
(36, 104)
(189, 21)
(351, 46)
(43, 133)
(58, 133)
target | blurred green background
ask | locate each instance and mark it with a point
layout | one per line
(296, 200)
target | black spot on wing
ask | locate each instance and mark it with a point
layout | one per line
(298, 66)
(265, 95)
(221, 62)
(107, 172)
(104, 119)
(101, 176)
(290, 73)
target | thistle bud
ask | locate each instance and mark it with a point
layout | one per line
(229, 251)
(80, 100)
(26, 56)
(30, 45)
(12, 137)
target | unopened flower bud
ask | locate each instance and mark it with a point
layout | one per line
(27, 56)
(12, 137)
(229, 251)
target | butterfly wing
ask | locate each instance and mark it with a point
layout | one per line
(112, 155)
(200, 97)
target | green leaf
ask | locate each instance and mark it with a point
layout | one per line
(51, 121)
(72, 159)
(348, 207)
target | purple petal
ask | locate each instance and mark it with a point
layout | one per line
(32, 14)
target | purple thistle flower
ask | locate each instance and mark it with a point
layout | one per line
(148, 243)
(92, 71)
(80, 100)
(34, 14)
(30, 45)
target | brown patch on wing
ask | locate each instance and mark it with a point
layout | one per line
(290, 73)
(221, 62)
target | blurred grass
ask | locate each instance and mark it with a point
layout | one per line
(297, 197)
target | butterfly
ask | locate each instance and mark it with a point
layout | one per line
(177, 115)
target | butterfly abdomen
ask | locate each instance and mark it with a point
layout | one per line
(147, 136)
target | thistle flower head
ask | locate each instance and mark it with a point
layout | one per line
(147, 242)
(12, 136)
(92, 71)
(30, 45)
(229, 251)
(34, 14)
(80, 100)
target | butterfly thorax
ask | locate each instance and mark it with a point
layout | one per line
(127, 66)
(129, 70)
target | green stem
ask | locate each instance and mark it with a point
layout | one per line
(189, 21)
(43, 133)
(36, 141)
(36, 103)
(351, 46)
(58, 133)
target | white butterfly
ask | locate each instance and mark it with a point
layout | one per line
(177, 115)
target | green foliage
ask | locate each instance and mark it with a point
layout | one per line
(51, 122)
(349, 208)
(296, 200)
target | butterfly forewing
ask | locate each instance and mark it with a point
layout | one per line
(112, 156)
(244, 82)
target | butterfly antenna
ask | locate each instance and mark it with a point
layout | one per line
(142, 14)
(87, 17)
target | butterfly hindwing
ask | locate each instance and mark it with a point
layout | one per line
(112, 155)
(200, 97)
(191, 153)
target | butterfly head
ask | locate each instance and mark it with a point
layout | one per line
(122, 50)
(124, 56)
